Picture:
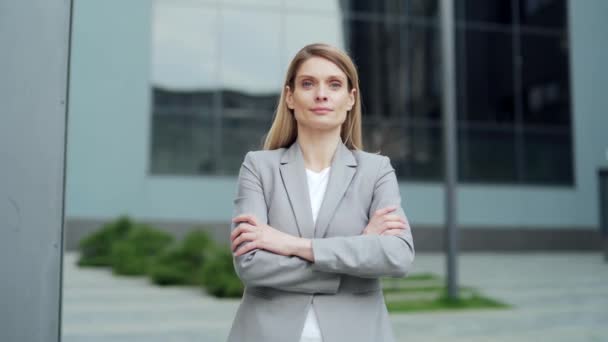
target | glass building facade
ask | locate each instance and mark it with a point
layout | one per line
(217, 69)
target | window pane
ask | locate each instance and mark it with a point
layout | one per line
(545, 80)
(182, 142)
(376, 47)
(548, 157)
(332, 6)
(184, 81)
(418, 8)
(422, 8)
(240, 136)
(543, 13)
(250, 81)
(423, 80)
(426, 158)
(184, 46)
(256, 4)
(416, 150)
(250, 58)
(486, 11)
(387, 136)
(487, 154)
(327, 28)
(485, 62)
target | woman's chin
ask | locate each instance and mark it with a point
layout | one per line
(323, 125)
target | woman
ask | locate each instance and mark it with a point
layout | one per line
(317, 221)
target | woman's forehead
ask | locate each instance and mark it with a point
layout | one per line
(320, 68)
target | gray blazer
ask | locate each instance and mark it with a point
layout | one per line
(343, 283)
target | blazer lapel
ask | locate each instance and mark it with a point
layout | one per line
(293, 173)
(343, 167)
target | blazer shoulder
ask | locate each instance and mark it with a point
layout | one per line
(370, 158)
(264, 157)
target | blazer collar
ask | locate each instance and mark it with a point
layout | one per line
(293, 173)
(342, 155)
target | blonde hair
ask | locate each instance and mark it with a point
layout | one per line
(284, 130)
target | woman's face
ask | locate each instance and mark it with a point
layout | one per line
(321, 97)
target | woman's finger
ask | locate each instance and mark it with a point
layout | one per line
(392, 232)
(385, 210)
(394, 217)
(242, 238)
(393, 225)
(251, 219)
(246, 248)
(241, 228)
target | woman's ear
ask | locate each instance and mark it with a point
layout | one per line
(351, 98)
(288, 97)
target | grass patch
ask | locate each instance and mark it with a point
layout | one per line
(475, 301)
(420, 276)
(427, 292)
(433, 288)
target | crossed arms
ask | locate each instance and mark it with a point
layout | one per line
(268, 257)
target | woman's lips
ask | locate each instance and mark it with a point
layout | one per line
(321, 110)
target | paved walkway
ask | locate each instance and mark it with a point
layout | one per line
(556, 297)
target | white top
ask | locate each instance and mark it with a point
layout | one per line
(317, 184)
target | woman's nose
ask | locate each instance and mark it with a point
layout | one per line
(321, 94)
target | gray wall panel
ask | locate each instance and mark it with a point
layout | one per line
(34, 43)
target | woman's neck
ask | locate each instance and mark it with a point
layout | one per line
(318, 148)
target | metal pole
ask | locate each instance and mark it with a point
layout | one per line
(603, 205)
(449, 142)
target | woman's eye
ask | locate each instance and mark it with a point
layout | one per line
(335, 85)
(306, 84)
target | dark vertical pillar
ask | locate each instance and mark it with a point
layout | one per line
(35, 41)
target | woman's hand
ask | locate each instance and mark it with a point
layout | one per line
(261, 236)
(385, 223)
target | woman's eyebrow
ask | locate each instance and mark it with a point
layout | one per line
(339, 77)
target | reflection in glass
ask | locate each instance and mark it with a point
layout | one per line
(422, 8)
(329, 6)
(543, 13)
(487, 154)
(258, 4)
(250, 82)
(424, 73)
(426, 162)
(486, 68)
(486, 11)
(179, 60)
(548, 157)
(545, 80)
(416, 8)
(218, 68)
(239, 136)
(328, 28)
(376, 47)
(416, 150)
(184, 77)
(250, 51)
(182, 139)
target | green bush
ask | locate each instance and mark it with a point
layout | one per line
(133, 254)
(95, 250)
(218, 275)
(196, 246)
(132, 249)
(181, 265)
(169, 268)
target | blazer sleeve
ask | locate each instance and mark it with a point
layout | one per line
(370, 256)
(262, 268)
